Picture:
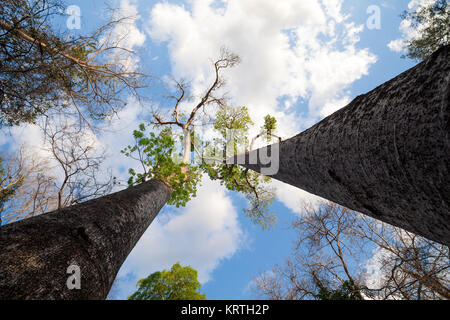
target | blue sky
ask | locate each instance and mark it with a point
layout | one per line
(301, 61)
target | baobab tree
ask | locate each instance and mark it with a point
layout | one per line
(386, 154)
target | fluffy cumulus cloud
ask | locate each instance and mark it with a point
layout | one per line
(201, 235)
(407, 30)
(295, 199)
(291, 51)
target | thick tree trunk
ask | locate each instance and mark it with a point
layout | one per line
(96, 236)
(386, 154)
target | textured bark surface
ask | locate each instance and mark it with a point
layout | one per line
(96, 235)
(386, 154)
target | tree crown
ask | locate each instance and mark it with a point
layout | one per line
(179, 283)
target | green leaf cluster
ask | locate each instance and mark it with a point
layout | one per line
(179, 283)
(158, 157)
(235, 177)
(232, 118)
(270, 125)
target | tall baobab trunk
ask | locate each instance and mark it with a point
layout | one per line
(386, 154)
(95, 236)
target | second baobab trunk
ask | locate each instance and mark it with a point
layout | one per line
(386, 154)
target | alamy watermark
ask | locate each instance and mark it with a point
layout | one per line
(74, 280)
(374, 20)
(74, 19)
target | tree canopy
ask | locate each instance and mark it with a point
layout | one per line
(433, 22)
(179, 283)
(346, 291)
(43, 69)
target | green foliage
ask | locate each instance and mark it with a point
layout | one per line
(233, 124)
(180, 283)
(270, 125)
(346, 291)
(436, 18)
(249, 183)
(156, 153)
(232, 118)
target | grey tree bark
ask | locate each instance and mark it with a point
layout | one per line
(386, 154)
(95, 236)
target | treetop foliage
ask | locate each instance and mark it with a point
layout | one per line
(179, 283)
(158, 157)
(346, 291)
(435, 33)
(183, 166)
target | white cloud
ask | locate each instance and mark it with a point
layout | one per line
(200, 236)
(333, 9)
(289, 49)
(116, 134)
(334, 105)
(294, 198)
(373, 276)
(126, 35)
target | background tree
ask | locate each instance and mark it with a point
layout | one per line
(66, 171)
(433, 23)
(346, 291)
(26, 188)
(409, 266)
(42, 68)
(179, 283)
(333, 246)
(79, 159)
